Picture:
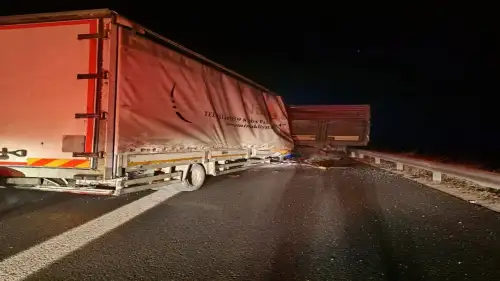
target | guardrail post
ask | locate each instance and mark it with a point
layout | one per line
(399, 166)
(361, 156)
(353, 154)
(436, 176)
(377, 160)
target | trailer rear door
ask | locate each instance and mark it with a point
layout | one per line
(334, 125)
(40, 93)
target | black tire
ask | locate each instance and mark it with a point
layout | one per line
(195, 178)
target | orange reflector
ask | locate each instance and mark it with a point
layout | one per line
(304, 137)
(344, 138)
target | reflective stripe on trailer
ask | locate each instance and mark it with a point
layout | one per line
(155, 162)
(161, 161)
(227, 155)
(58, 163)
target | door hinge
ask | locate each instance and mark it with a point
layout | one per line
(99, 154)
(102, 116)
(104, 75)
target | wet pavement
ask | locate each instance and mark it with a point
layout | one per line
(282, 223)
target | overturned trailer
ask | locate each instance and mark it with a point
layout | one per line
(93, 103)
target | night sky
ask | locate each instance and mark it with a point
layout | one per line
(429, 73)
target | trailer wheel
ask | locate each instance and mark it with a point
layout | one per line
(195, 178)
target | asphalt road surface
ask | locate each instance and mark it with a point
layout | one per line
(280, 223)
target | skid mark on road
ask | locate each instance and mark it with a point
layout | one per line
(22, 265)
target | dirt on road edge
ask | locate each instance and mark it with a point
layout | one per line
(465, 190)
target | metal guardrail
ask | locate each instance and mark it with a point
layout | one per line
(479, 177)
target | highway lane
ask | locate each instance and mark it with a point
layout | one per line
(29, 217)
(281, 223)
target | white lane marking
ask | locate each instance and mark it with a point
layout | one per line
(23, 264)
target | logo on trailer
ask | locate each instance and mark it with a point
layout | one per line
(174, 106)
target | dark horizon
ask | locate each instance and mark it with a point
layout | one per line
(428, 76)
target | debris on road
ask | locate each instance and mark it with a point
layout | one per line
(334, 163)
(323, 160)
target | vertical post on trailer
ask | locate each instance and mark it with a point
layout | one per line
(101, 74)
(97, 116)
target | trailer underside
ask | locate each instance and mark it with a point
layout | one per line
(137, 172)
